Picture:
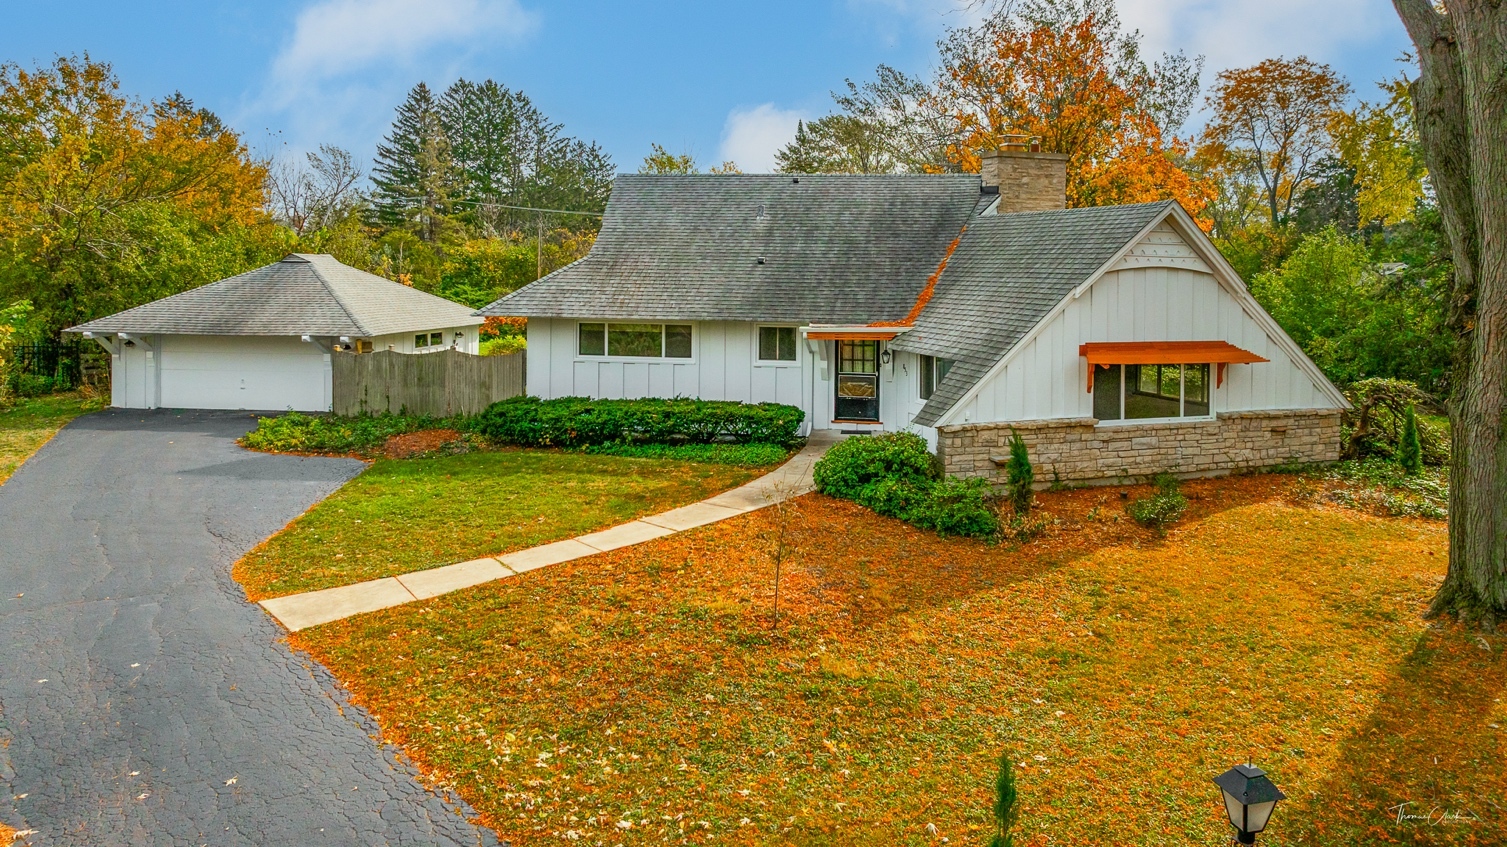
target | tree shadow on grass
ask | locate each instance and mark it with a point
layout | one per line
(873, 568)
(1428, 766)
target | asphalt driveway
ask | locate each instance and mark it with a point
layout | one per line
(142, 699)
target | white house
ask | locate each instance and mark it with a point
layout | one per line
(263, 339)
(1116, 340)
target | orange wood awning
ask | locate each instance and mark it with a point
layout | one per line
(1221, 353)
(854, 335)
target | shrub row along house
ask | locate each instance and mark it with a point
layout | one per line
(1116, 340)
(263, 339)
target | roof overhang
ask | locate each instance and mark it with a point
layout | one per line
(1221, 353)
(831, 332)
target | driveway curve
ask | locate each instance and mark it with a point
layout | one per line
(142, 699)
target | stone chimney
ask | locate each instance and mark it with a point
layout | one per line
(1027, 179)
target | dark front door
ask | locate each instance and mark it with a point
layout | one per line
(857, 381)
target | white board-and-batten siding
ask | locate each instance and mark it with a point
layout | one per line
(723, 366)
(1161, 290)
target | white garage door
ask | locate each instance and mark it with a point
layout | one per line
(227, 372)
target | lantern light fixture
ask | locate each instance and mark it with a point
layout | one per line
(1249, 799)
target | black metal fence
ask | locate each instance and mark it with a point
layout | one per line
(49, 366)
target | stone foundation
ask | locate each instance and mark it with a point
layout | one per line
(1077, 450)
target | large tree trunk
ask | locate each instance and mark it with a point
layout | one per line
(1461, 102)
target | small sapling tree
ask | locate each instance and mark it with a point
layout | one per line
(1004, 803)
(1019, 476)
(1409, 447)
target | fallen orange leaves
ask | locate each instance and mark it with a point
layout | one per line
(637, 697)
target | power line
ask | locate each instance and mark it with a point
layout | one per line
(526, 208)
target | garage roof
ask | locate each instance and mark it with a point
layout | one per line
(304, 294)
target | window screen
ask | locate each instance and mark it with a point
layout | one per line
(1107, 393)
(436, 339)
(593, 340)
(678, 341)
(777, 343)
(421, 340)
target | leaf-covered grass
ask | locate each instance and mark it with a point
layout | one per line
(637, 696)
(403, 515)
(742, 455)
(27, 424)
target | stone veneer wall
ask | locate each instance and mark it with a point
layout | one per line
(1076, 450)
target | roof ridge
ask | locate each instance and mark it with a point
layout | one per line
(323, 280)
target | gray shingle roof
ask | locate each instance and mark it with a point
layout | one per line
(1007, 273)
(836, 249)
(304, 294)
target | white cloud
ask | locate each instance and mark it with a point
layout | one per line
(348, 63)
(1238, 33)
(751, 137)
(336, 37)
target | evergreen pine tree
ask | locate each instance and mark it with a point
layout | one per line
(1409, 448)
(1005, 812)
(1019, 475)
(414, 177)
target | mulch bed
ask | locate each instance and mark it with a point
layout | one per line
(411, 444)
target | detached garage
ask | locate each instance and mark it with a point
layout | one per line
(262, 340)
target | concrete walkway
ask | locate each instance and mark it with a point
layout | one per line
(312, 608)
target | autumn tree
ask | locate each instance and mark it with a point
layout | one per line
(1378, 142)
(1269, 123)
(1062, 71)
(662, 161)
(1460, 101)
(107, 202)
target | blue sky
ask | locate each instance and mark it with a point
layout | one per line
(720, 80)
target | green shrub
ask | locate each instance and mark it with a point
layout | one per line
(957, 507)
(1019, 476)
(739, 455)
(856, 463)
(295, 432)
(579, 421)
(503, 345)
(895, 475)
(1161, 509)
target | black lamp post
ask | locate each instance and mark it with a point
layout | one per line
(1249, 798)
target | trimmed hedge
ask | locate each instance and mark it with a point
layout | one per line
(579, 422)
(738, 455)
(896, 475)
(294, 432)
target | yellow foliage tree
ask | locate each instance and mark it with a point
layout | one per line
(1380, 143)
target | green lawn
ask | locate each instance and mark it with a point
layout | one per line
(403, 515)
(26, 425)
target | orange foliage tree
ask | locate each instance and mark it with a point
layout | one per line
(1270, 122)
(1063, 72)
(106, 202)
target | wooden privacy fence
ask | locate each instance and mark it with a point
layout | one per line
(439, 384)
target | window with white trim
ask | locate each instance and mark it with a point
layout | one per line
(634, 340)
(426, 340)
(777, 344)
(1151, 392)
(933, 370)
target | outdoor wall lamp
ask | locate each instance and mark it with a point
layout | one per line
(886, 356)
(1249, 798)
